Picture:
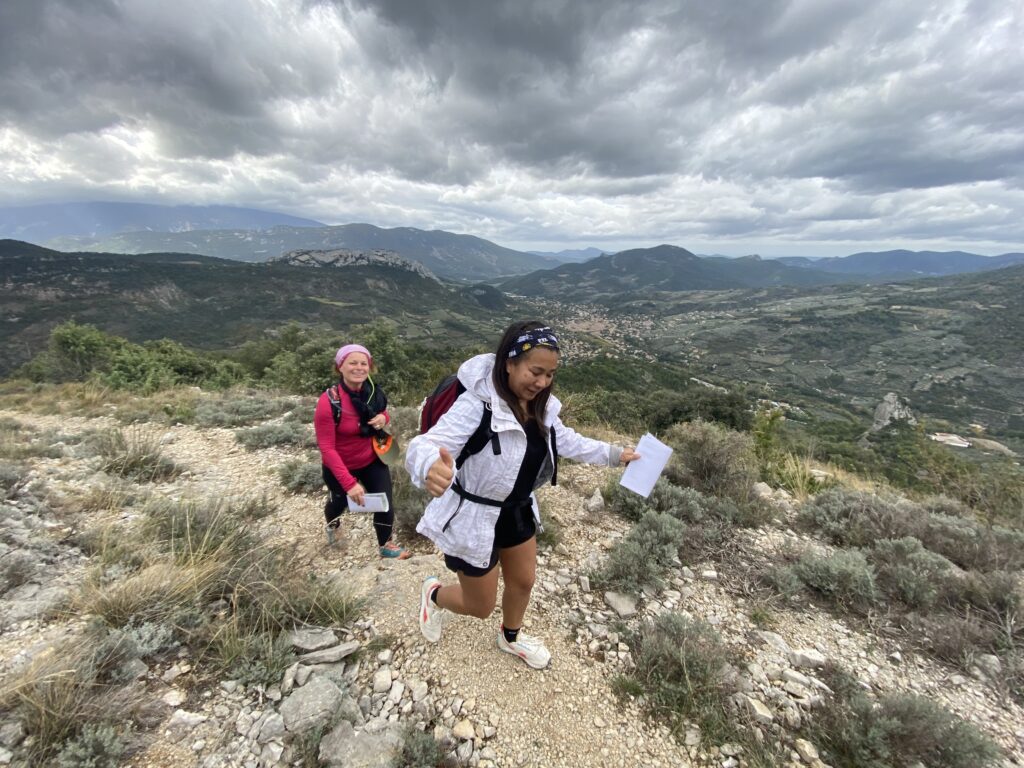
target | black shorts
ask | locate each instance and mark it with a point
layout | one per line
(515, 526)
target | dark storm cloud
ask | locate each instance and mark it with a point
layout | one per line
(778, 117)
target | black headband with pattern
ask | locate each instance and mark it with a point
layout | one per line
(538, 337)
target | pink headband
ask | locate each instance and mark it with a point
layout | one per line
(348, 349)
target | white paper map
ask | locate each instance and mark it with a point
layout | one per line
(372, 502)
(641, 474)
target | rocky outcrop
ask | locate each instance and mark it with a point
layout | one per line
(892, 408)
(344, 257)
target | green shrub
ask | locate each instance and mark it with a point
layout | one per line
(660, 536)
(628, 569)
(61, 694)
(629, 505)
(74, 351)
(16, 568)
(241, 410)
(971, 545)
(194, 528)
(909, 572)
(680, 672)
(134, 454)
(640, 559)
(712, 459)
(410, 502)
(899, 730)
(679, 665)
(709, 522)
(953, 637)
(421, 750)
(10, 474)
(857, 519)
(272, 435)
(998, 597)
(302, 476)
(845, 578)
(550, 532)
(96, 746)
(666, 407)
(782, 578)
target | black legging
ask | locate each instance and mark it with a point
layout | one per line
(375, 478)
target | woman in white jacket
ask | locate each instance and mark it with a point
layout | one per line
(484, 512)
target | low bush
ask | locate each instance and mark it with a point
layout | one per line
(273, 435)
(852, 731)
(302, 476)
(857, 519)
(844, 577)
(628, 569)
(18, 441)
(422, 750)
(909, 572)
(712, 459)
(998, 598)
(194, 528)
(781, 578)
(241, 410)
(952, 637)
(62, 694)
(134, 454)
(410, 502)
(550, 532)
(640, 559)
(16, 568)
(971, 545)
(10, 474)
(681, 673)
(96, 746)
(223, 593)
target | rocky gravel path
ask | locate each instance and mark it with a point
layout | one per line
(494, 710)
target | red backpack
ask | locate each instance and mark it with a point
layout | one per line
(437, 404)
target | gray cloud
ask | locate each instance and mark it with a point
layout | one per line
(531, 121)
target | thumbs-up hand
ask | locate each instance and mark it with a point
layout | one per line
(440, 474)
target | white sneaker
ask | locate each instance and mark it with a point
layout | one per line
(529, 649)
(431, 615)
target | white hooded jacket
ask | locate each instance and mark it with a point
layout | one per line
(463, 528)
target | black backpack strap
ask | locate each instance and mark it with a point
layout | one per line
(334, 398)
(482, 435)
(457, 487)
(554, 456)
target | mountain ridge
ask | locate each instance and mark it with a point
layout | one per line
(465, 258)
(45, 222)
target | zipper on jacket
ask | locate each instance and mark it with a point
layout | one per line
(457, 508)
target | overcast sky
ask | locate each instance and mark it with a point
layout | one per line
(772, 126)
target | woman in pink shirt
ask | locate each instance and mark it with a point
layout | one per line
(351, 468)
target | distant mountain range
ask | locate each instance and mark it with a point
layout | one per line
(579, 254)
(662, 268)
(219, 303)
(41, 224)
(447, 255)
(247, 234)
(903, 264)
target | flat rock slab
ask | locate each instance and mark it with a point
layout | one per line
(311, 705)
(344, 747)
(312, 639)
(330, 655)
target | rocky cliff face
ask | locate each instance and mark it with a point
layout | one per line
(344, 257)
(892, 408)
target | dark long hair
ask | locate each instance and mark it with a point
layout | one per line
(537, 406)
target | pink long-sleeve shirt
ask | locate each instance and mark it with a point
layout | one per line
(342, 447)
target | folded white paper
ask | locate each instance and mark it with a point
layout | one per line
(641, 474)
(372, 502)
